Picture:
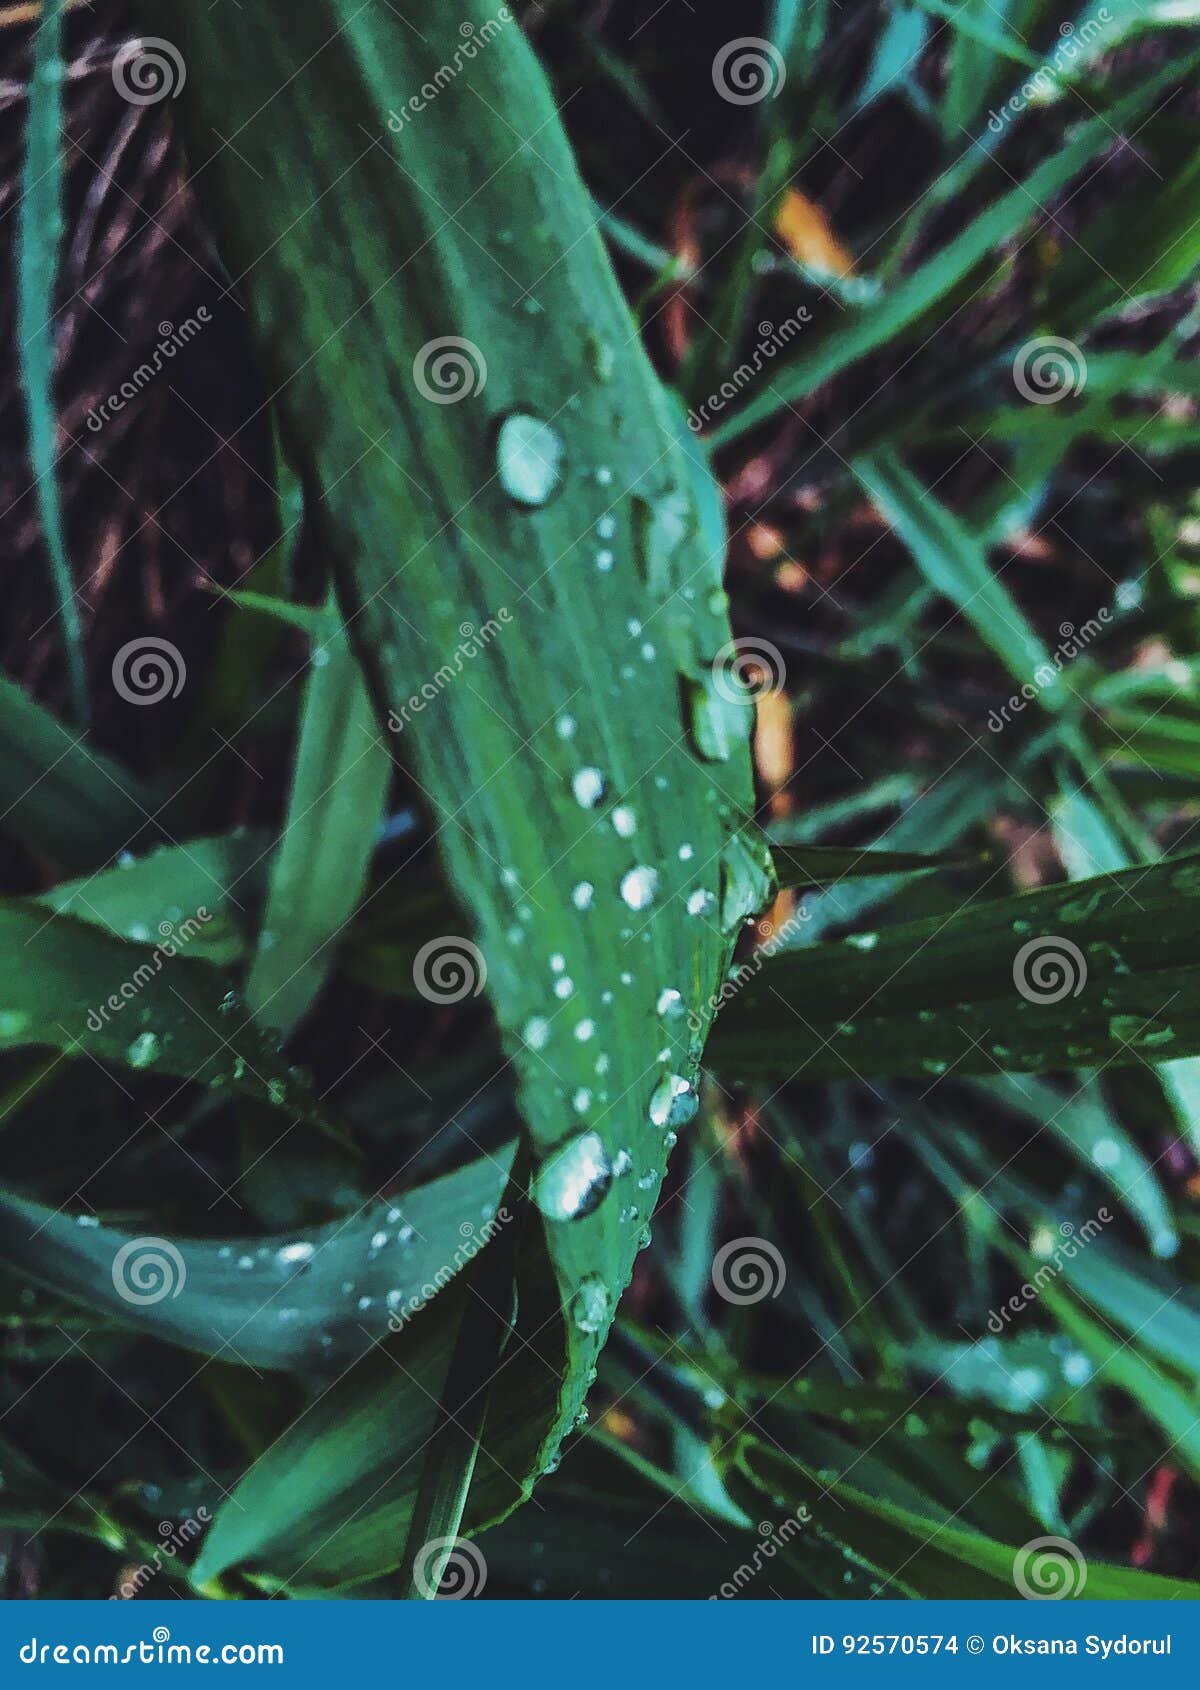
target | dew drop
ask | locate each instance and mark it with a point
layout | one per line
(294, 1255)
(639, 887)
(537, 1032)
(588, 786)
(624, 821)
(674, 1102)
(529, 458)
(573, 1180)
(144, 1050)
(591, 1303)
(583, 894)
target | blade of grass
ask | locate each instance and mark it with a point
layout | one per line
(39, 232)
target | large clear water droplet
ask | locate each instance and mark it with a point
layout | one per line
(530, 458)
(573, 1180)
(674, 1102)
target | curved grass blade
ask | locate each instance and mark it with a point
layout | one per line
(73, 988)
(181, 894)
(59, 797)
(39, 232)
(339, 787)
(271, 1302)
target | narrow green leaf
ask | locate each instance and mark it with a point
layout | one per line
(1100, 971)
(39, 232)
(953, 561)
(339, 787)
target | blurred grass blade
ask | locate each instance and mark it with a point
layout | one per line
(70, 804)
(487, 1322)
(39, 232)
(953, 561)
(339, 786)
(938, 276)
(819, 865)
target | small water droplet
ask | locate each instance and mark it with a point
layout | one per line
(529, 458)
(537, 1032)
(583, 894)
(588, 786)
(591, 1303)
(294, 1255)
(585, 1029)
(624, 821)
(144, 1050)
(639, 887)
